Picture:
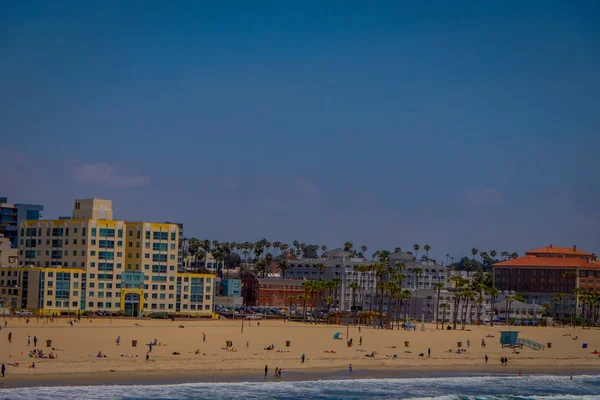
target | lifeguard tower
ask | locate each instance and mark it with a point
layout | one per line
(511, 339)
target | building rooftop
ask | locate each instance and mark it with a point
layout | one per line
(549, 262)
(568, 251)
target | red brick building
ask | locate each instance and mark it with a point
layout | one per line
(264, 292)
(543, 272)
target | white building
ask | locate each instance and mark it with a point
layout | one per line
(339, 264)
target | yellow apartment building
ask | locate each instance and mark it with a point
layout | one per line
(93, 263)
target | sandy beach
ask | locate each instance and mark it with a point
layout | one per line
(77, 350)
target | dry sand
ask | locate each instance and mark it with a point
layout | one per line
(77, 348)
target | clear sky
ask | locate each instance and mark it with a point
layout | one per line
(455, 124)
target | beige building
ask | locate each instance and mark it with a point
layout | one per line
(94, 263)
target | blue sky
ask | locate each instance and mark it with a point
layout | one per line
(382, 123)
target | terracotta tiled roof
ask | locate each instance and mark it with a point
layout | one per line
(533, 261)
(558, 250)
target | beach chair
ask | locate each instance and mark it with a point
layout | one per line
(337, 335)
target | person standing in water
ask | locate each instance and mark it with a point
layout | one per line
(266, 371)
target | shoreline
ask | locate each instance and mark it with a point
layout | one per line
(173, 377)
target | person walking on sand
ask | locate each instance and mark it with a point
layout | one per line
(28, 340)
(266, 371)
(360, 341)
(428, 352)
(468, 342)
(9, 337)
(3, 370)
(147, 356)
(118, 341)
(303, 357)
(486, 358)
(203, 337)
(502, 360)
(35, 341)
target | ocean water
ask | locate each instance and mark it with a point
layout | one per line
(446, 388)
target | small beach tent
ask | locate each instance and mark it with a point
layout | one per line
(337, 335)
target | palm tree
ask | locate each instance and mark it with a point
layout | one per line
(438, 286)
(509, 300)
(405, 297)
(444, 307)
(417, 273)
(397, 250)
(416, 247)
(262, 267)
(547, 306)
(558, 298)
(468, 264)
(573, 275)
(290, 299)
(493, 292)
(427, 248)
(379, 270)
(468, 295)
(493, 254)
(474, 251)
(335, 284)
(355, 287)
(321, 268)
(323, 249)
(283, 266)
(304, 297)
(459, 283)
(205, 245)
(363, 250)
(348, 246)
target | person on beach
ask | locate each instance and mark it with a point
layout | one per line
(468, 342)
(505, 361)
(502, 360)
(486, 358)
(28, 340)
(350, 369)
(360, 341)
(203, 337)
(428, 352)
(247, 345)
(118, 341)
(148, 356)
(9, 337)
(3, 370)
(266, 371)
(303, 357)
(35, 341)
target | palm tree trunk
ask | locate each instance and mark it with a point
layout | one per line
(437, 311)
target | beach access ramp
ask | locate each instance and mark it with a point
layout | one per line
(530, 343)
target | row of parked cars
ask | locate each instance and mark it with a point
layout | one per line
(248, 312)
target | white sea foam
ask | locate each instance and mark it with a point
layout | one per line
(489, 387)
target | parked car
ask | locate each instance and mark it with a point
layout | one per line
(23, 313)
(254, 316)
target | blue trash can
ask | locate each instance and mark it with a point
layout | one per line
(584, 345)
